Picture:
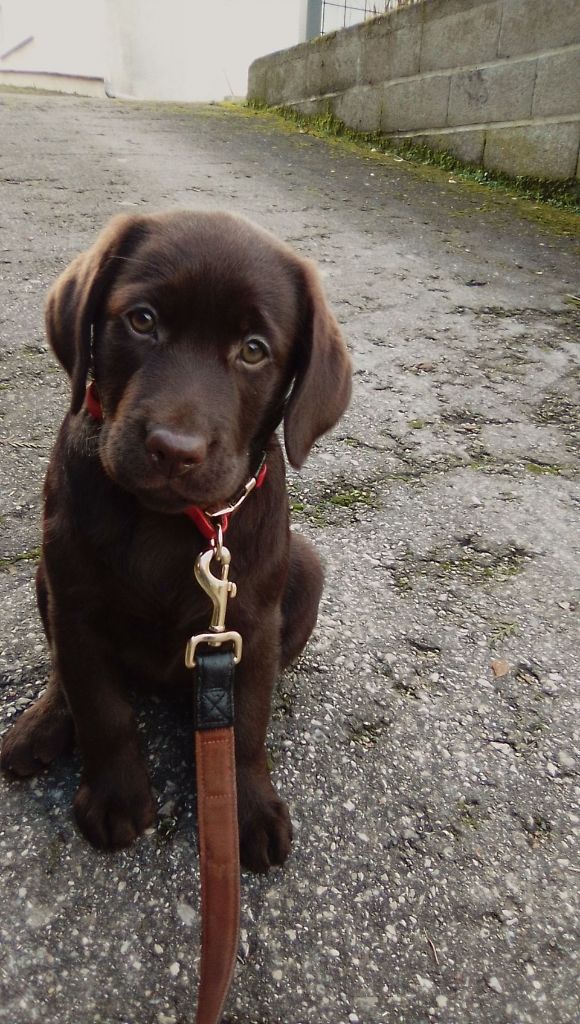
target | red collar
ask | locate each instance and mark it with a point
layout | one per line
(93, 402)
(206, 524)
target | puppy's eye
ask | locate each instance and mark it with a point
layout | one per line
(254, 350)
(142, 320)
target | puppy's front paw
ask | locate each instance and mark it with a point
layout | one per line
(265, 826)
(114, 809)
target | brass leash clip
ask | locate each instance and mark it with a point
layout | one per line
(219, 589)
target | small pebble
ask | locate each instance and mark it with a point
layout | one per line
(186, 913)
(565, 759)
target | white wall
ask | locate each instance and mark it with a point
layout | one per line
(193, 49)
(68, 36)
(147, 49)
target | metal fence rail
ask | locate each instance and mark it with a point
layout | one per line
(335, 14)
(340, 13)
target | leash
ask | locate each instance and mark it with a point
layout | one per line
(217, 814)
(217, 817)
(217, 822)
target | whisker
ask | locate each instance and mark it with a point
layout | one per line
(153, 268)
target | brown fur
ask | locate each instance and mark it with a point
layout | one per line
(185, 421)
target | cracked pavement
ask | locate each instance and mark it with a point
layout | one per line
(427, 742)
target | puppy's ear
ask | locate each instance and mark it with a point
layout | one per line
(73, 301)
(322, 384)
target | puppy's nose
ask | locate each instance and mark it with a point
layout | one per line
(174, 454)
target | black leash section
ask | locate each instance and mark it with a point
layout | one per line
(217, 818)
(214, 691)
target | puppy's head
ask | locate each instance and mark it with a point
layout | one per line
(197, 326)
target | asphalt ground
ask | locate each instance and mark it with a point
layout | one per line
(427, 742)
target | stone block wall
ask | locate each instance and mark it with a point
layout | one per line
(495, 82)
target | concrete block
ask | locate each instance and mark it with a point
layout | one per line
(275, 76)
(466, 146)
(419, 103)
(402, 19)
(457, 38)
(360, 108)
(500, 93)
(557, 89)
(386, 53)
(314, 107)
(533, 26)
(258, 80)
(279, 77)
(286, 79)
(540, 151)
(333, 62)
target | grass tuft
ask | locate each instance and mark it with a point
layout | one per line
(562, 195)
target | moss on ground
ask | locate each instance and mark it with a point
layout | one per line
(555, 205)
(470, 565)
(543, 468)
(503, 630)
(8, 563)
(322, 509)
(367, 733)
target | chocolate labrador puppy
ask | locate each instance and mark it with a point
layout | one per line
(201, 333)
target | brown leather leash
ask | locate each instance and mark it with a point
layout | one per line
(217, 814)
(218, 832)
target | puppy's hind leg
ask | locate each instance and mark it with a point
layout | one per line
(301, 599)
(40, 735)
(45, 730)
